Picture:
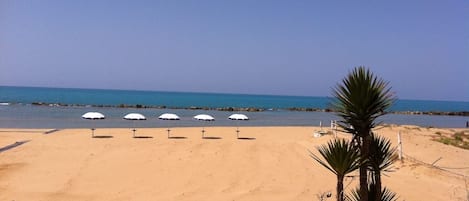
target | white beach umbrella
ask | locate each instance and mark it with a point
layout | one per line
(204, 117)
(168, 116)
(134, 117)
(93, 116)
(238, 117)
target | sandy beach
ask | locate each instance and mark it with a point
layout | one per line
(269, 163)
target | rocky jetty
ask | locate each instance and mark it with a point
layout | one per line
(244, 109)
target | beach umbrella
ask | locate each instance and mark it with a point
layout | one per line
(238, 117)
(168, 116)
(134, 117)
(93, 116)
(204, 117)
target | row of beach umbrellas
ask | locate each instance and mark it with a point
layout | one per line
(166, 116)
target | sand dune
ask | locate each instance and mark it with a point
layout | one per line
(271, 163)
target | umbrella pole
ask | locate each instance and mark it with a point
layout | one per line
(203, 130)
(92, 129)
(169, 130)
(237, 129)
(133, 122)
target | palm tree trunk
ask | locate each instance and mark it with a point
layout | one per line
(378, 185)
(363, 184)
(340, 188)
(365, 150)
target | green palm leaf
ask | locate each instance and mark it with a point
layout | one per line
(340, 158)
(361, 99)
(382, 155)
(386, 195)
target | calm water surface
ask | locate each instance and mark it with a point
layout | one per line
(17, 111)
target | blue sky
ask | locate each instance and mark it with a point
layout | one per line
(254, 47)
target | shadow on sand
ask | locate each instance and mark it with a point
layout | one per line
(211, 138)
(103, 136)
(177, 138)
(143, 137)
(11, 146)
(51, 131)
(246, 138)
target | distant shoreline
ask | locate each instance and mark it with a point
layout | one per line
(239, 109)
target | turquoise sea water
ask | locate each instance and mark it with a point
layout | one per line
(16, 109)
(170, 99)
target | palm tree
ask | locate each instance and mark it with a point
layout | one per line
(340, 158)
(385, 194)
(380, 159)
(360, 99)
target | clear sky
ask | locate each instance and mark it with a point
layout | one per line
(254, 47)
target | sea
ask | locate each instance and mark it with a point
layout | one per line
(38, 107)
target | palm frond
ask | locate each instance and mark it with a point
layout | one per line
(386, 194)
(360, 99)
(381, 155)
(339, 157)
